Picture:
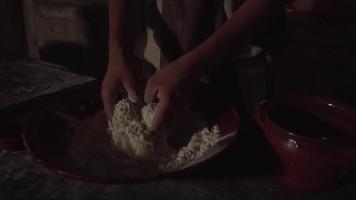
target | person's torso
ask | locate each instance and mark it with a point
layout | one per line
(174, 27)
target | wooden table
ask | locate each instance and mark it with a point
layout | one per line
(246, 171)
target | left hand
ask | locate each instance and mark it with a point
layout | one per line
(165, 85)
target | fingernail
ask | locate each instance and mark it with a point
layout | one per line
(132, 96)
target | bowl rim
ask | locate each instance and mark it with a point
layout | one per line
(14, 141)
(263, 109)
(94, 179)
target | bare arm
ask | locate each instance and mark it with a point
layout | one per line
(123, 29)
(116, 13)
(124, 16)
(232, 35)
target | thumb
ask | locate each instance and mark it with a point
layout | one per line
(150, 92)
(161, 112)
(131, 92)
(108, 103)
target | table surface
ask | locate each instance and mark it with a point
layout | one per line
(22, 81)
(23, 178)
(246, 171)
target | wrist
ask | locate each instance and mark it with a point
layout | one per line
(114, 51)
(186, 69)
(116, 56)
(194, 63)
(205, 56)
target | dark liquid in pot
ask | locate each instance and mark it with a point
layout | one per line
(10, 130)
(300, 122)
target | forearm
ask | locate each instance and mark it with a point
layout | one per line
(116, 13)
(123, 26)
(231, 36)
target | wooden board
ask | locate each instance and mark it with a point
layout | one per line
(23, 81)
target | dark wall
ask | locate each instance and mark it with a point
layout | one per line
(72, 34)
(318, 58)
(12, 32)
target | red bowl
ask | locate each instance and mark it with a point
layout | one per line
(314, 147)
(10, 135)
(80, 149)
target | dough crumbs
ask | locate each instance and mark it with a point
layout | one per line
(129, 133)
(129, 128)
(200, 143)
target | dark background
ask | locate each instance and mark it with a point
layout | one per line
(316, 52)
(314, 55)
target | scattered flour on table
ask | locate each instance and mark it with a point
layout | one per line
(130, 133)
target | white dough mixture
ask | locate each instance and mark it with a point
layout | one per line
(130, 133)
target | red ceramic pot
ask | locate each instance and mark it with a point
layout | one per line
(312, 7)
(311, 157)
(10, 135)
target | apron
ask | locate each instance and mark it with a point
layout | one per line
(174, 27)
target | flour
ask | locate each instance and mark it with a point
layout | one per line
(200, 143)
(130, 133)
(148, 114)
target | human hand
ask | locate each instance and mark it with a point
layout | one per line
(170, 86)
(118, 74)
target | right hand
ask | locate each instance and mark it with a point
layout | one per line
(117, 74)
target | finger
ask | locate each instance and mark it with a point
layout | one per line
(108, 102)
(128, 84)
(160, 114)
(150, 93)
